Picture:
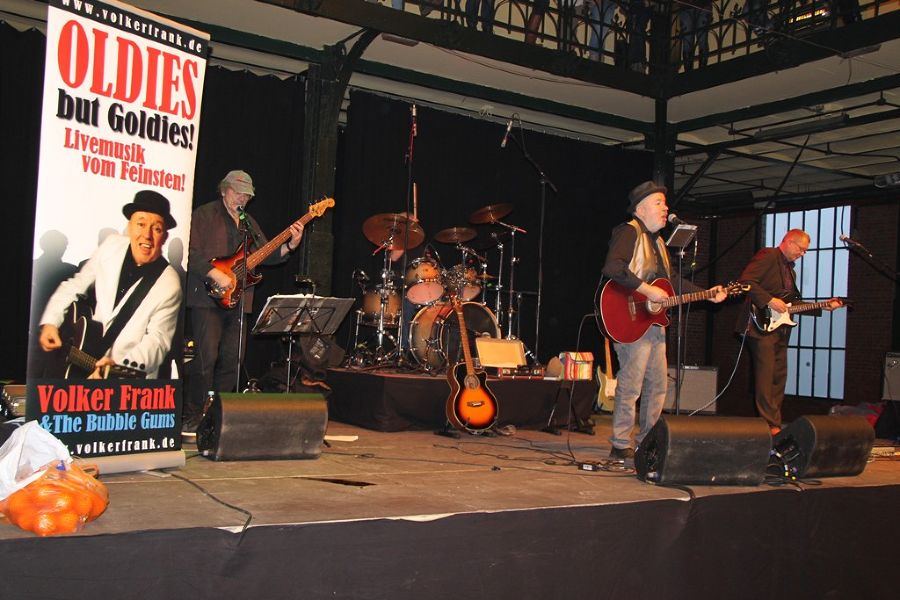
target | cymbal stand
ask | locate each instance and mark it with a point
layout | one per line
(498, 307)
(513, 260)
(386, 287)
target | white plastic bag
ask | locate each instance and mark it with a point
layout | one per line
(25, 454)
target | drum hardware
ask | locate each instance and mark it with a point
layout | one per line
(492, 214)
(391, 231)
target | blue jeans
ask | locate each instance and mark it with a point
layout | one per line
(600, 28)
(694, 36)
(643, 375)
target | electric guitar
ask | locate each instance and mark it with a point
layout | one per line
(628, 314)
(82, 338)
(236, 265)
(768, 319)
(607, 389)
(471, 406)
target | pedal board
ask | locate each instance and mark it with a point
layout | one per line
(520, 372)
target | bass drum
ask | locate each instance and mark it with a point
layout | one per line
(434, 333)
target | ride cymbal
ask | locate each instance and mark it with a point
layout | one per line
(490, 213)
(390, 231)
(455, 235)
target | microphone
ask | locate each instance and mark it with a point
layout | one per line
(361, 275)
(851, 242)
(674, 220)
(509, 124)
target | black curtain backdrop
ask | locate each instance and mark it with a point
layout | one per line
(459, 167)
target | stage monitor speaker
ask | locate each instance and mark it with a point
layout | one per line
(826, 445)
(698, 388)
(705, 451)
(891, 385)
(257, 426)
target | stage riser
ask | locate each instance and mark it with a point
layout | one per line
(401, 402)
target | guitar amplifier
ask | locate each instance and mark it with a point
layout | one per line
(698, 388)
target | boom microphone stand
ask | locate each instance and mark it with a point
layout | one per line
(247, 229)
(544, 182)
(681, 236)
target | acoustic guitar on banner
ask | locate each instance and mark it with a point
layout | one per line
(768, 319)
(471, 405)
(628, 314)
(236, 266)
(82, 339)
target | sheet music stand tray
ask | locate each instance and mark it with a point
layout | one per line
(300, 314)
(681, 236)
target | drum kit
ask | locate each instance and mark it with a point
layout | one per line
(432, 335)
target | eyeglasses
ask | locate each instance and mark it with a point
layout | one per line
(801, 249)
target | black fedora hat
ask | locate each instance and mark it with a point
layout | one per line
(151, 202)
(642, 191)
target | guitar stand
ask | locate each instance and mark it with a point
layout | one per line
(578, 425)
(448, 431)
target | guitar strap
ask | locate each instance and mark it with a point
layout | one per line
(154, 270)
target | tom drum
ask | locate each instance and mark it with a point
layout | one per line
(423, 281)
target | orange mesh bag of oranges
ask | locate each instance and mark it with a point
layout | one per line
(50, 497)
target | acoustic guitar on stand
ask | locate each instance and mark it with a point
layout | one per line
(606, 391)
(628, 314)
(768, 319)
(236, 266)
(471, 406)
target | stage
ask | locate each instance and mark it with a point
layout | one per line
(415, 515)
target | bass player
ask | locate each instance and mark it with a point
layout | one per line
(637, 255)
(217, 228)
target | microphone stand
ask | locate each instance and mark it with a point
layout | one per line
(248, 232)
(544, 182)
(680, 238)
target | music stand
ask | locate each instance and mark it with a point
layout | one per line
(681, 236)
(297, 314)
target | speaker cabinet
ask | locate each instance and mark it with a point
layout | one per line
(705, 451)
(263, 426)
(826, 445)
(698, 388)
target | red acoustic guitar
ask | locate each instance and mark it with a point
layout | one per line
(235, 266)
(628, 314)
(471, 406)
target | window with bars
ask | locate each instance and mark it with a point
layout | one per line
(817, 347)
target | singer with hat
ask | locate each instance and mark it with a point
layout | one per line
(138, 294)
(217, 229)
(637, 255)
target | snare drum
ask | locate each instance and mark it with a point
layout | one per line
(434, 332)
(371, 307)
(423, 281)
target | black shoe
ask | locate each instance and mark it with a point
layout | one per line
(621, 454)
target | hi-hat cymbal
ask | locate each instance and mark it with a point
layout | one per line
(390, 230)
(490, 213)
(485, 276)
(455, 235)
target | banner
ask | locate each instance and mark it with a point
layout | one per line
(119, 130)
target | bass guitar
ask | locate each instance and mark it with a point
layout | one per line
(628, 314)
(768, 319)
(471, 406)
(237, 265)
(82, 338)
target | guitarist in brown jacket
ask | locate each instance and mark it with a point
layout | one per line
(773, 283)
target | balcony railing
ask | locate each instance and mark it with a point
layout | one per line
(618, 32)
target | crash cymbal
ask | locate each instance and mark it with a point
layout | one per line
(455, 235)
(490, 213)
(485, 276)
(390, 230)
